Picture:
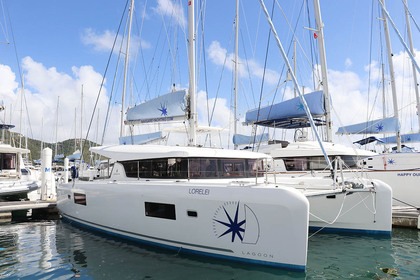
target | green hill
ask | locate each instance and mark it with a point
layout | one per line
(66, 147)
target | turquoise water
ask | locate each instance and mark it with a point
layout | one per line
(57, 250)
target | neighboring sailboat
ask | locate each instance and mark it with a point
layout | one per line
(302, 158)
(205, 201)
(400, 169)
(16, 180)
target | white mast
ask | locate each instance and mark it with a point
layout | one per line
(292, 74)
(75, 129)
(322, 56)
(127, 54)
(192, 87)
(391, 74)
(416, 85)
(81, 121)
(56, 127)
(235, 101)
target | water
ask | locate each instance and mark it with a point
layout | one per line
(57, 250)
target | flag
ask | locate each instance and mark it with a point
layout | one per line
(315, 35)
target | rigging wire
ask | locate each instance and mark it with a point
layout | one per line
(103, 77)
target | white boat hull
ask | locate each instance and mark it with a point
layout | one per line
(261, 225)
(401, 171)
(366, 208)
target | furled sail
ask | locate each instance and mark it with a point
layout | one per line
(140, 139)
(289, 113)
(168, 107)
(405, 138)
(387, 125)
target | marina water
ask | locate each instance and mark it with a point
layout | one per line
(57, 250)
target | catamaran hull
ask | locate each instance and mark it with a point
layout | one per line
(365, 206)
(267, 226)
(354, 210)
(17, 188)
(401, 171)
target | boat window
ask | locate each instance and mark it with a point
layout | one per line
(255, 167)
(233, 167)
(183, 168)
(7, 161)
(296, 164)
(160, 210)
(314, 163)
(80, 198)
(157, 168)
(203, 168)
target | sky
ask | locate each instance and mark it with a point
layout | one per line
(58, 53)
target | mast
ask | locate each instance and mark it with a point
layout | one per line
(392, 74)
(235, 101)
(192, 86)
(416, 85)
(322, 56)
(56, 127)
(75, 130)
(81, 121)
(127, 54)
(292, 74)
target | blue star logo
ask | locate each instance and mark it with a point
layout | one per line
(379, 127)
(300, 107)
(163, 110)
(391, 161)
(233, 226)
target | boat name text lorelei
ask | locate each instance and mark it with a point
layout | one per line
(199, 191)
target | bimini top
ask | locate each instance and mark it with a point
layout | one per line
(132, 152)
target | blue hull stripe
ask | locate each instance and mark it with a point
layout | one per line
(121, 235)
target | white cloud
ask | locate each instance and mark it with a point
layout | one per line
(100, 42)
(172, 10)
(220, 56)
(8, 84)
(348, 63)
(45, 88)
(103, 42)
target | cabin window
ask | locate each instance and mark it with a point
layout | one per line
(80, 198)
(7, 161)
(233, 167)
(160, 210)
(314, 163)
(183, 168)
(175, 168)
(203, 168)
(255, 167)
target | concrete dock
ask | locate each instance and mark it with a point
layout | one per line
(405, 216)
(16, 210)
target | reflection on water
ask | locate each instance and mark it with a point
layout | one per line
(56, 250)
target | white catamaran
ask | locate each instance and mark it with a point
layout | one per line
(206, 201)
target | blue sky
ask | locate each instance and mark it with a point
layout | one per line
(62, 45)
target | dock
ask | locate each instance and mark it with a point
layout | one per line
(19, 210)
(405, 216)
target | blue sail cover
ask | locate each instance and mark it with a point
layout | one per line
(289, 113)
(168, 107)
(240, 139)
(405, 138)
(140, 139)
(387, 125)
